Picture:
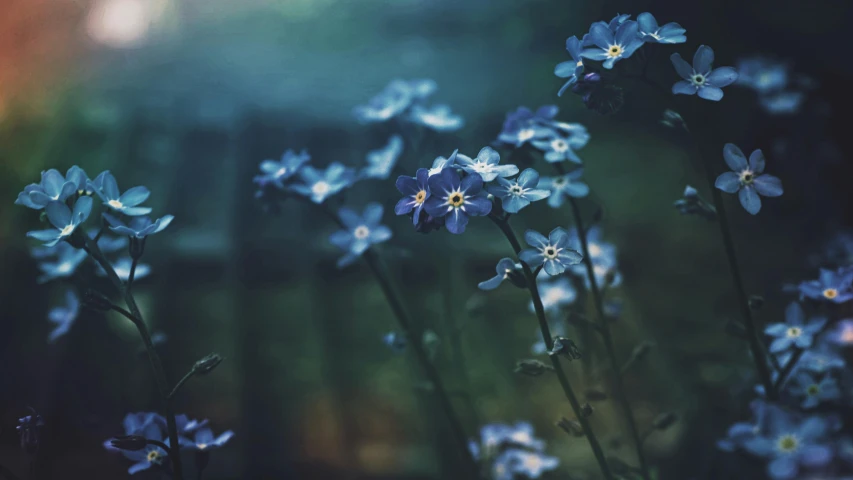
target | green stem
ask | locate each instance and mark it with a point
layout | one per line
(156, 366)
(181, 382)
(604, 329)
(530, 278)
(382, 277)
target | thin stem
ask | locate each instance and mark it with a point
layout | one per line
(604, 329)
(758, 355)
(181, 382)
(394, 301)
(133, 264)
(153, 358)
(530, 278)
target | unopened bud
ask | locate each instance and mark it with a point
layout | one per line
(207, 364)
(566, 347)
(572, 427)
(129, 442)
(97, 301)
(586, 410)
(531, 367)
(664, 420)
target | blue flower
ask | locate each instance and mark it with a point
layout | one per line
(416, 192)
(150, 456)
(701, 78)
(440, 163)
(521, 435)
(395, 341)
(394, 100)
(565, 186)
(523, 125)
(795, 332)
(813, 391)
(789, 442)
(276, 172)
(555, 294)
(833, 286)
(203, 440)
(147, 424)
(108, 243)
(782, 103)
(320, 185)
(503, 270)
(762, 74)
(486, 165)
(64, 220)
(571, 69)
(603, 257)
(64, 316)
(361, 231)
(187, 426)
(517, 194)
(821, 358)
(457, 199)
(558, 148)
(52, 188)
(438, 117)
(747, 179)
(553, 252)
(610, 46)
(381, 162)
(741, 432)
(122, 268)
(531, 464)
(127, 202)
(139, 227)
(59, 261)
(650, 31)
(77, 176)
(842, 333)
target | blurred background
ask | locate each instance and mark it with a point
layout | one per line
(187, 97)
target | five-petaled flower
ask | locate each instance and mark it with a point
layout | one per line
(650, 32)
(747, 179)
(360, 232)
(831, 285)
(506, 268)
(276, 172)
(380, 162)
(127, 202)
(812, 391)
(559, 148)
(486, 165)
(564, 186)
(611, 47)
(203, 440)
(437, 117)
(553, 252)
(523, 125)
(416, 191)
(59, 261)
(457, 199)
(517, 194)
(571, 69)
(796, 331)
(139, 227)
(64, 316)
(701, 79)
(394, 99)
(64, 220)
(320, 185)
(52, 188)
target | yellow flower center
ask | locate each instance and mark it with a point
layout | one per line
(830, 293)
(532, 462)
(456, 200)
(420, 196)
(526, 134)
(787, 443)
(813, 389)
(594, 249)
(67, 230)
(361, 232)
(320, 188)
(794, 332)
(115, 204)
(153, 456)
(201, 446)
(614, 50)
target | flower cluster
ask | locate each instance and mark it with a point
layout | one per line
(508, 452)
(143, 428)
(293, 175)
(780, 91)
(558, 141)
(405, 100)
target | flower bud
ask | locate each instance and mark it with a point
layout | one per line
(566, 347)
(586, 410)
(128, 442)
(136, 247)
(207, 364)
(531, 367)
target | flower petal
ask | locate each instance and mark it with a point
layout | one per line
(529, 178)
(749, 199)
(134, 196)
(535, 239)
(372, 215)
(768, 185)
(734, 157)
(491, 283)
(703, 59)
(722, 77)
(59, 214)
(728, 182)
(710, 93)
(683, 87)
(455, 221)
(683, 68)
(757, 162)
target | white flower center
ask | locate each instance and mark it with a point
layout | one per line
(793, 332)
(516, 190)
(532, 462)
(67, 230)
(550, 252)
(697, 79)
(64, 267)
(594, 249)
(115, 204)
(521, 437)
(320, 188)
(483, 167)
(787, 443)
(201, 446)
(361, 232)
(747, 177)
(655, 35)
(559, 145)
(281, 171)
(526, 134)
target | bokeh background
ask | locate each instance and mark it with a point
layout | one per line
(188, 96)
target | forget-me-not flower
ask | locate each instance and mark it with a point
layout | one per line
(319, 185)
(139, 227)
(610, 47)
(762, 74)
(571, 69)
(555, 294)
(437, 117)
(277, 172)
(739, 433)
(486, 165)
(564, 186)
(416, 192)
(122, 268)
(77, 176)
(650, 32)
(747, 179)
(601, 253)
(796, 331)
(127, 202)
(518, 193)
(504, 269)
(440, 163)
(523, 125)
(558, 148)
(64, 220)
(812, 391)
(53, 188)
(150, 456)
(203, 440)
(64, 316)
(842, 333)
(380, 162)
(59, 261)
(531, 464)
(822, 357)
(393, 100)
(553, 252)
(360, 232)
(789, 442)
(700, 78)
(831, 285)
(457, 199)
